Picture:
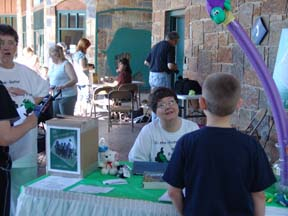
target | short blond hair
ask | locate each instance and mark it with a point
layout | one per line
(222, 92)
(57, 51)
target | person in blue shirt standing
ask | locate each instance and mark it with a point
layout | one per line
(223, 171)
(62, 77)
(81, 67)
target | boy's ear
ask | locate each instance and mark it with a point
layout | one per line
(239, 104)
(202, 103)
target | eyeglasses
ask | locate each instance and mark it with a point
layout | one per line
(7, 43)
(166, 105)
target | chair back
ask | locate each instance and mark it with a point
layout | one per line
(99, 98)
(121, 101)
(132, 87)
(255, 122)
(129, 87)
(120, 95)
(101, 91)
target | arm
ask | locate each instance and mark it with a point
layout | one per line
(172, 67)
(18, 92)
(83, 63)
(146, 63)
(141, 148)
(177, 198)
(259, 203)
(69, 70)
(36, 65)
(148, 60)
(14, 91)
(10, 134)
(37, 100)
(112, 84)
(171, 59)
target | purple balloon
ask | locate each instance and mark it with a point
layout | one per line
(277, 108)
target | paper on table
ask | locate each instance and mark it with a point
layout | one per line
(91, 189)
(165, 197)
(55, 183)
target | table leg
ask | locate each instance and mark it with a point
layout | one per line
(184, 115)
(139, 99)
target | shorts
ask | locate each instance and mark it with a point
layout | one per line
(159, 79)
(83, 93)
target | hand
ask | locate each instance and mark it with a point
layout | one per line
(31, 120)
(16, 91)
(59, 88)
(146, 63)
(52, 87)
(91, 66)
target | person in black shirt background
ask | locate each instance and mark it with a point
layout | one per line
(161, 61)
(8, 135)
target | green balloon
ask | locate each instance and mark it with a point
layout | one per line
(218, 15)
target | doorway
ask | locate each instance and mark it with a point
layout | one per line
(177, 23)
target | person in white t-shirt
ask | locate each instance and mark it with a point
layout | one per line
(156, 141)
(21, 83)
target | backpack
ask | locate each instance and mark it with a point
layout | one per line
(178, 87)
(191, 85)
(184, 86)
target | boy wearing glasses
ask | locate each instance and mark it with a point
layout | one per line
(156, 141)
(223, 171)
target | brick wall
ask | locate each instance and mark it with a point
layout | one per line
(211, 48)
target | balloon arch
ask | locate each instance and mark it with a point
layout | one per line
(220, 13)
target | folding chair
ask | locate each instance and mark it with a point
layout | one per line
(134, 89)
(120, 102)
(99, 98)
(252, 127)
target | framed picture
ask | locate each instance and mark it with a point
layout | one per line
(259, 31)
(63, 152)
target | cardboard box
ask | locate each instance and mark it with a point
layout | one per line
(72, 146)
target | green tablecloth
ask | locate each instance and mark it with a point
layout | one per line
(270, 197)
(132, 190)
(126, 199)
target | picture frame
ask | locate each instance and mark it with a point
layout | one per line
(63, 149)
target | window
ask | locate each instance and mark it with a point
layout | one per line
(71, 26)
(9, 20)
(24, 31)
(37, 2)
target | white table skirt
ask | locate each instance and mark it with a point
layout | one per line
(58, 203)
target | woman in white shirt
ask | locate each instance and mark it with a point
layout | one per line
(156, 141)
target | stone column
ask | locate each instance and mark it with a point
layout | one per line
(19, 26)
(29, 23)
